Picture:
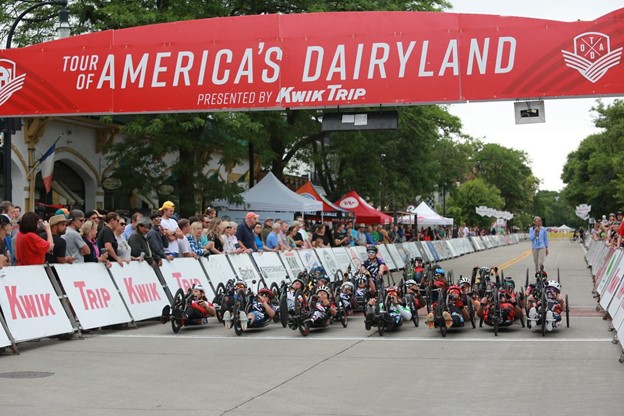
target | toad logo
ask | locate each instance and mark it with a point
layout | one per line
(9, 81)
(592, 55)
(349, 203)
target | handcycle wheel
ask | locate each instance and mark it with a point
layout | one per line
(304, 328)
(567, 312)
(275, 289)
(526, 283)
(238, 330)
(558, 276)
(381, 326)
(497, 310)
(178, 305)
(283, 309)
(543, 312)
(218, 300)
(471, 312)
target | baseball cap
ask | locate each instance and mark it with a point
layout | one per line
(251, 215)
(62, 211)
(167, 205)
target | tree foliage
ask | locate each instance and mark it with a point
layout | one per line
(474, 193)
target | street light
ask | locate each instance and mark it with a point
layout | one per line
(11, 124)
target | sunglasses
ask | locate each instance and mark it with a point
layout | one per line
(371, 252)
(229, 226)
(122, 223)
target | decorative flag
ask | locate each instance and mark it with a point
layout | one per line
(47, 166)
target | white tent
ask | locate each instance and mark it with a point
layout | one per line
(427, 216)
(272, 195)
(565, 228)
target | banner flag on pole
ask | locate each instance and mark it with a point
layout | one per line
(47, 166)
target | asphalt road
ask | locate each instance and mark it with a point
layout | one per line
(335, 371)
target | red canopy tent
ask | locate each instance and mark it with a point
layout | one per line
(363, 211)
(329, 210)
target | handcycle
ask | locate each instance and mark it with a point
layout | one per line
(543, 303)
(175, 313)
(385, 313)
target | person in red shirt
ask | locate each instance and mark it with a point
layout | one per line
(29, 247)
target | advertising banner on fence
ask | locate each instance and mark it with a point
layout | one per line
(92, 294)
(140, 288)
(218, 268)
(30, 305)
(309, 259)
(184, 273)
(292, 262)
(384, 254)
(272, 267)
(244, 268)
(314, 60)
(393, 250)
(342, 257)
(328, 260)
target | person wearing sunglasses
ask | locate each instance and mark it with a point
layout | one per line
(76, 246)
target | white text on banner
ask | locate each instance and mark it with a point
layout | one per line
(183, 274)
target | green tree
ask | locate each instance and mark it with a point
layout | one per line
(594, 172)
(508, 170)
(474, 193)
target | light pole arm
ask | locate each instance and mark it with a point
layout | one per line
(28, 10)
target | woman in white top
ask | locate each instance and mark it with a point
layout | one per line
(230, 242)
(123, 248)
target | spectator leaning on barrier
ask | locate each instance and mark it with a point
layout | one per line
(139, 247)
(30, 248)
(106, 237)
(123, 249)
(272, 240)
(58, 225)
(245, 232)
(539, 243)
(184, 246)
(76, 246)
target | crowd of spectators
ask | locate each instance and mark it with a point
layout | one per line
(76, 237)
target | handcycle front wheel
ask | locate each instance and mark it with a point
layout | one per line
(177, 311)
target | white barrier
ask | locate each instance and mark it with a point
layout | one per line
(328, 260)
(385, 255)
(271, 266)
(184, 273)
(30, 304)
(92, 294)
(607, 269)
(140, 289)
(244, 268)
(292, 263)
(398, 260)
(218, 268)
(612, 284)
(342, 257)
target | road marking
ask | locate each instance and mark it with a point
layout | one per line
(316, 339)
(516, 260)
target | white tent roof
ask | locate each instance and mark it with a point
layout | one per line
(272, 195)
(427, 216)
(565, 228)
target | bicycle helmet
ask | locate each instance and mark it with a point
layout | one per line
(464, 281)
(323, 289)
(440, 272)
(240, 283)
(554, 284)
(455, 289)
(509, 283)
(373, 249)
(347, 284)
(199, 287)
(268, 292)
(392, 290)
(418, 259)
(411, 282)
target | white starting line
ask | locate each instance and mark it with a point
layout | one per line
(374, 338)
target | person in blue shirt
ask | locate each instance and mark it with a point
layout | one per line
(539, 243)
(258, 237)
(272, 242)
